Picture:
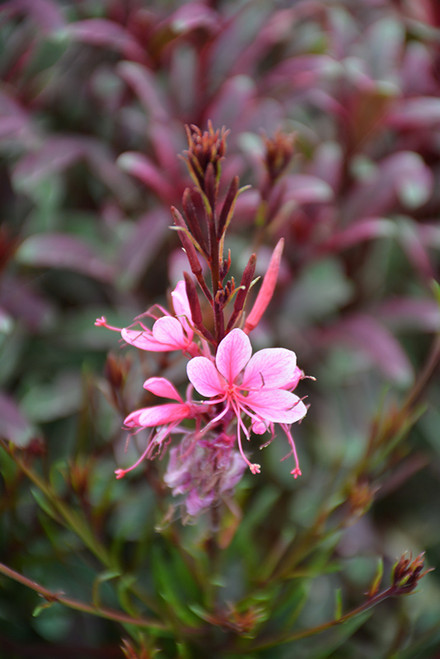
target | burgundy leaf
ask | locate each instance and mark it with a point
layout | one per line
(145, 86)
(365, 229)
(418, 113)
(402, 175)
(146, 171)
(57, 250)
(405, 313)
(192, 16)
(14, 427)
(45, 13)
(22, 302)
(307, 189)
(142, 246)
(363, 332)
(103, 32)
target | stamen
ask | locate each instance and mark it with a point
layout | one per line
(102, 322)
(296, 471)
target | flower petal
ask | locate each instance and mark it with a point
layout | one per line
(144, 340)
(168, 330)
(158, 415)
(271, 368)
(275, 405)
(162, 387)
(180, 300)
(233, 353)
(204, 377)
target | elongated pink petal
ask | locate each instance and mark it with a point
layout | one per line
(144, 340)
(162, 387)
(169, 331)
(272, 368)
(182, 308)
(275, 405)
(158, 415)
(267, 288)
(204, 377)
(233, 353)
(298, 375)
(180, 300)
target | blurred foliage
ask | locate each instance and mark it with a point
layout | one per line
(94, 98)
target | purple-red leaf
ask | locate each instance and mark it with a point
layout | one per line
(57, 250)
(103, 32)
(14, 427)
(146, 171)
(364, 333)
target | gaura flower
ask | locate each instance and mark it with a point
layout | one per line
(203, 471)
(168, 332)
(255, 386)
(168, 416)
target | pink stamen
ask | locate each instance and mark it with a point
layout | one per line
(102, 322)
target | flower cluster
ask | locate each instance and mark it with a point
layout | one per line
(238, 394)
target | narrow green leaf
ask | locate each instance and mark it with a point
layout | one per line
(375, 584)
(338, 604)
(100, 579)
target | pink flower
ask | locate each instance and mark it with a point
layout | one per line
(168, 415)
(203, 471)
(256, 386)
(168, 332)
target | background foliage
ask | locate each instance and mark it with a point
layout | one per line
(94, 97)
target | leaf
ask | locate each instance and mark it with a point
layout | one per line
(306, 189)
(338, 604)
(41, 607)
(146, 171)
(364, 333)
(365, 229)
(14, 426)
(402, 176)
(56, 400)
(108, 575)
(418, 113)
(46, 14)
(321, 289)
(410, 313)
(106, 33)
(169, 589)
(377, 580)
(192, 16)
(146, 88)
(58, 250)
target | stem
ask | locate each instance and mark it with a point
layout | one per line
(426, 374)
(103, 612)
(305, 633)
(79, 526)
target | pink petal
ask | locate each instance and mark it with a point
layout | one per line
(144, 340)
(298, 375)
(276, 405)
(267, 289)
(162, 387)
(233, 353)
(169, 330)
(271, 368)
(204, 377)
(158, 415)
(180, 300)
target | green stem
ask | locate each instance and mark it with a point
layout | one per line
(102, 612)
(80, 526)
(305, 633)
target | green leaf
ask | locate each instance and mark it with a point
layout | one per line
(377, 580)
(41, 607)
(100, 579)
(338, 604)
